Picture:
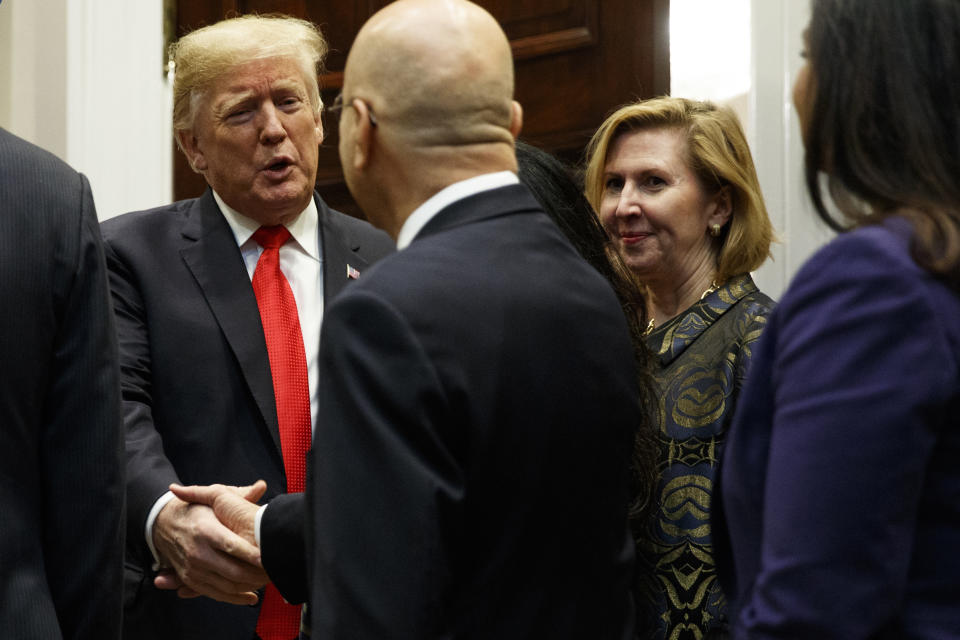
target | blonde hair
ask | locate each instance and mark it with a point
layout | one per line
(204, 55)
(717, 152)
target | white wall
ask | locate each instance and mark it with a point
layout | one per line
(777, 28)
(6, 35)
(703, 66)
(34, 56)
(84, 79)
(745, 53)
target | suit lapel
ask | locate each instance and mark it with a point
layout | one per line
(210, 252)
(340, 257)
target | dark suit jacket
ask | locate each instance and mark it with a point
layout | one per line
(197, 392)
(468, 477)
(840, 481)
(61, 443)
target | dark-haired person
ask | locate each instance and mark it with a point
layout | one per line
(840, 482)
(555, 188)
(675, 187)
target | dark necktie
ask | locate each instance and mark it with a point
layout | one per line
(288, 367)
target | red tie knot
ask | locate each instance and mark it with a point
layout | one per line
(271, 237)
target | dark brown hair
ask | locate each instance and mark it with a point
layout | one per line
(555, 188)
(884, 123)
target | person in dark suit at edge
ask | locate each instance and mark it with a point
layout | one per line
(61, 439)
(218, 305)
(478, 399)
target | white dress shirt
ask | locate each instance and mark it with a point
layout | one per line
(446, 196)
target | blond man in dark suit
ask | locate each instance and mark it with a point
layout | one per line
(199, 386)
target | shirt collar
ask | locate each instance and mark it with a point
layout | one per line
(448, 195)
(303, 229)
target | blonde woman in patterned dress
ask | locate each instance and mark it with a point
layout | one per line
(675, 187)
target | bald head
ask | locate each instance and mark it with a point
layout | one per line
(437, 72)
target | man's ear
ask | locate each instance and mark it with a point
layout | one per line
(318, 126)
(362, 135)
(516, 119)
(191, 148)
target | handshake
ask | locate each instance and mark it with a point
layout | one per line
(205, 540)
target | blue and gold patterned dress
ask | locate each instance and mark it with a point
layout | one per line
(702, 358)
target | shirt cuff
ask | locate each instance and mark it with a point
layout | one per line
(256, 523)
(151, 518)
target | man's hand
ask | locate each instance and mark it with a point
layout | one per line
(206, 557)
(235, 507)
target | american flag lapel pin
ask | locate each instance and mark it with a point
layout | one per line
(352, 274)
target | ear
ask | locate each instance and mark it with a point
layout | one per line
(318, 126)
(191, 148)
(516, 119)
(362, 135)
(722, 207)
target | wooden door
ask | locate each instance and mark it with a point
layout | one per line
(576, 60)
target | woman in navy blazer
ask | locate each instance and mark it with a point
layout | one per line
(841, 478)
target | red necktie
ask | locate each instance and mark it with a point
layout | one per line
(288, 366)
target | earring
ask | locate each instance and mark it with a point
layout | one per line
(715, 230)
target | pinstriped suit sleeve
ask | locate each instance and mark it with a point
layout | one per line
(61, 447)
(82, 448)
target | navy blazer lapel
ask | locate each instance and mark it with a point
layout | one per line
(341, 262)
(212, 255)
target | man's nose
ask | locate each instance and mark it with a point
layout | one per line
(272, 130)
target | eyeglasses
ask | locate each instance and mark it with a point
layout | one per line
(339, 103)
